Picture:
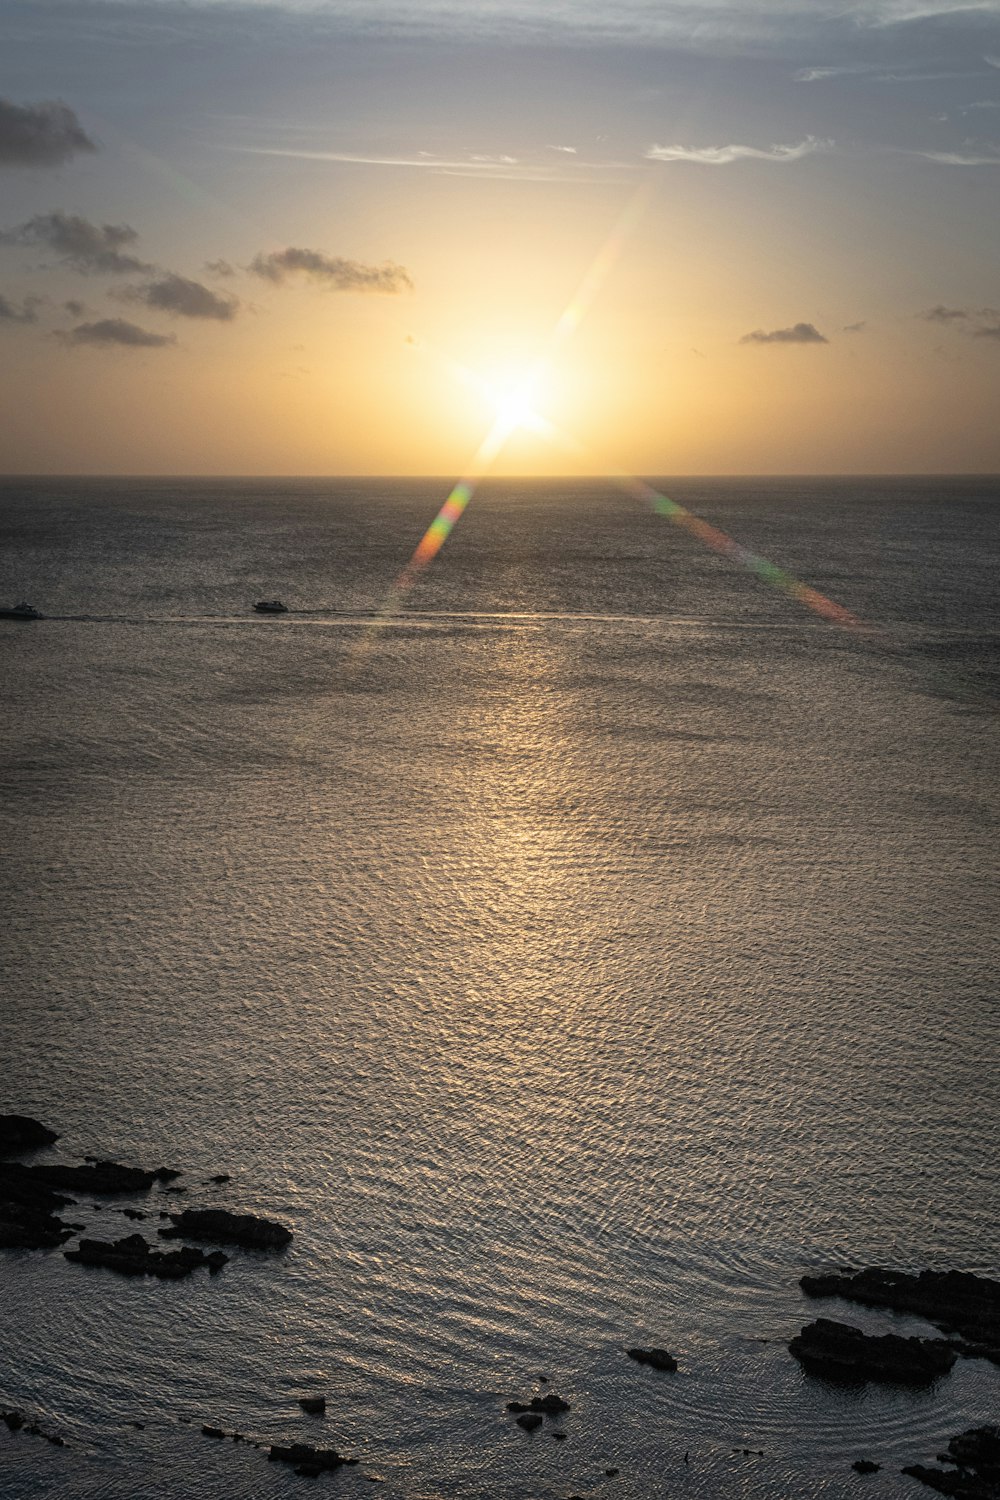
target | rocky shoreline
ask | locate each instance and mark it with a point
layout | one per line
(965, 1307)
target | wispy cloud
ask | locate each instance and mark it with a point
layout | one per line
(183, 298)
(80, 244)
(799, 333)
(855, 327)
(11, 312)
(40, 135)
(117, 332)
(331, 271)
(508, 168)
(988, 156)
(975, 322)
(722, 156)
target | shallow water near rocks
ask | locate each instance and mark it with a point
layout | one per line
(572, 962)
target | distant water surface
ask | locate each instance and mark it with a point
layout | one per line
(572, 961)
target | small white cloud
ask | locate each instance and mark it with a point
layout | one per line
(721, 156)
(569, 150)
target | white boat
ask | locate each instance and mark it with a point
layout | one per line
(20, 612)
(271, 607)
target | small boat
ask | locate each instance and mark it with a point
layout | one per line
(271, 607)
(20, 612)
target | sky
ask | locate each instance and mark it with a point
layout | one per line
(358, 236)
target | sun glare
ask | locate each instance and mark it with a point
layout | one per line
(514, 397)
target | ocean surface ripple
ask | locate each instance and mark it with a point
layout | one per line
(573, 960)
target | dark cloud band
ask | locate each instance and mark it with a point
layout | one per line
(331, 271)
(86, 247)
(117, 332)
(40, 135)
(799, 333)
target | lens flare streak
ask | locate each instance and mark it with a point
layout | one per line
(512, 416)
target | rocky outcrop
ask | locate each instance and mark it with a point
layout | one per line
(132, 1256)
(529, 1420)
(28, 1218)
(307, 1459)
(218, 1225)
(956, 1301)
(22, 1133)
(659, 1359)
(549, 1406)
(976, 1475)
(865, 1466)
(314, 1405)
(101, 1177)
(843, 1353)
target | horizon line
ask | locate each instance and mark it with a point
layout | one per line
(445, 477)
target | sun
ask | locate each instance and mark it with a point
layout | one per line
(514, 395)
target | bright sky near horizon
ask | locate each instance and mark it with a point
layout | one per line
(348, 236)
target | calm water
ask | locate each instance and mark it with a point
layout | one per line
(572, 963)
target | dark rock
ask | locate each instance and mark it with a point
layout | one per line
(215, 1260)
(560, 1437)
(28, 1219)
(529, 1420)
(22, 1133)
(132, 1256)
(658, 1358)
(100, 1177)
(133, 1213)
(219, 1224)
(306, 1455)
(955, 1301)
(865, 1466)
(15, 1420)
(314, 1405)
(210, 1431)
(550, 1405)
(977, 1475)
(610, 1473)
(840, 1352)
(57, 1442)
(221, 1177)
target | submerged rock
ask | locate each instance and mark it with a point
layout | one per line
(956, 1301)
(22, 1133)
(529, 1420)
(219, 1224)
(976, 1453)
(658, 1358)
(314, 1405)
(841, 1352)
(132, 1256)
(865, 1466)
(306, 1456)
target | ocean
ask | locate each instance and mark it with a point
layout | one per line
(573, 960)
